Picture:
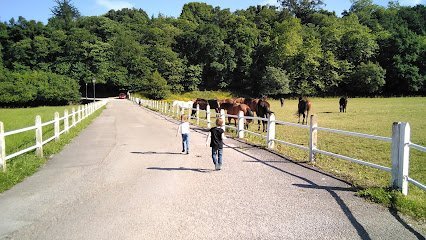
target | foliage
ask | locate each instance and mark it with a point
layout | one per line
(274, 82)
(64, 14)
(156, 86)
(367, 79)
(209, 48)
(36, 87)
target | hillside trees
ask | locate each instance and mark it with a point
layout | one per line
(261, 50)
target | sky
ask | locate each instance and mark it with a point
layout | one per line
(39, 10)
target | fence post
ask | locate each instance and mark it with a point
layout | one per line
(240, 131)
(197, 114)
(313, 137)
(222, 116)
(400, 156)
(57, 126)
(271, 131)
(73, 117)
(208, 116)
(66, 121)
(79, 113)
(39, 136)
(2, 147)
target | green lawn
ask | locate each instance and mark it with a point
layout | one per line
(16, 118)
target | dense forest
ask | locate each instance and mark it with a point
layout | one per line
(296, 49)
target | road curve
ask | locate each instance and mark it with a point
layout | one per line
(123, 177)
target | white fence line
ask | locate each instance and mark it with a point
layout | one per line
(400, 140)
(76, 117)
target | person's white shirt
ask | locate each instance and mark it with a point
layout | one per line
(184, 128)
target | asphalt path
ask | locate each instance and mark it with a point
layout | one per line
(124, 177)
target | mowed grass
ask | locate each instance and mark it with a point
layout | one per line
(25, 165)
(17, 118)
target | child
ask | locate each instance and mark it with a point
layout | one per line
(216, 143)
(183, 129)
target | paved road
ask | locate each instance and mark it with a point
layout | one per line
(124, 178)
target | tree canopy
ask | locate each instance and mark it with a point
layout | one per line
(262, 50)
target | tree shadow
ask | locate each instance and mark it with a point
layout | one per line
(200, 170)
(362, 233)
(152, 152)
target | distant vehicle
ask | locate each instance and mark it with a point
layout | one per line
(122, 96)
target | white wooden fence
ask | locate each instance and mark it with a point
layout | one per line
(400, 139)
(76, 117)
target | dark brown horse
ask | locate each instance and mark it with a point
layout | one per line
(343, 102)
(201, 102)
(234, 109)
(213, 103)
(252, 103)
(304, 107)
(263, 110)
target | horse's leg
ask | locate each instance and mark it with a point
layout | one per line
(258, 125)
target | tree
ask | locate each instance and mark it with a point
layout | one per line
(357, 43)
(301, 8)
(64, 15)
(192, 78)
(156, 86)
(275, 81)
(368, 78)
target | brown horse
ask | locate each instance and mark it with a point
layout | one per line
(252, 103)
(303, 109)
(238, 100)
(201, 102)
(234, 109)
(213, 103)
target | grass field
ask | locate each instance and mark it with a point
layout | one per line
(364, 115)
(16, 118)
(25, 165)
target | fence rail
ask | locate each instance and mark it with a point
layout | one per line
(400, 139)
(76, 117)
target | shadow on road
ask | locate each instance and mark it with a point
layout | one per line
(362, 233)
(201, 170)
(151, 152)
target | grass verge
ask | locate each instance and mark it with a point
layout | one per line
(25, 165)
